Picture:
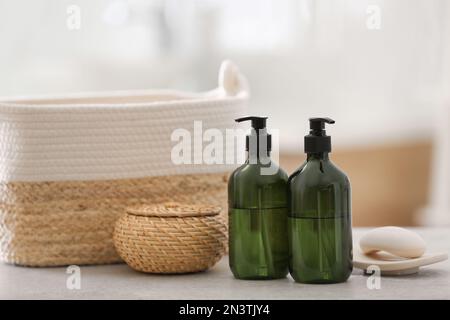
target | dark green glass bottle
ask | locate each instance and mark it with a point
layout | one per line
(257, 208)
(320, 231)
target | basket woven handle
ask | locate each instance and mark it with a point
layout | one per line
(231, 81)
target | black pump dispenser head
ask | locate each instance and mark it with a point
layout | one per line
(259, 126)
(317, 141)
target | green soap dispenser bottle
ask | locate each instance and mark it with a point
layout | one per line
(320, 231)
(257, 208)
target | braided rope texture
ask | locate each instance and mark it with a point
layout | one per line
(171, 238)
(72, 222)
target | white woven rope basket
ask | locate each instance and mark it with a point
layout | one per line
(70, 165)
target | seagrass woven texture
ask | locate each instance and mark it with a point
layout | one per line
(171, 238)
(61, 223)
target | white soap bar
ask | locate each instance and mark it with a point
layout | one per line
(394, 240)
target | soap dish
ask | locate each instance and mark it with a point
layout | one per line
(391, 265)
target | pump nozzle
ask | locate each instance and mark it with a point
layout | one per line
(317, 141)
(319, 123)
(259, 124)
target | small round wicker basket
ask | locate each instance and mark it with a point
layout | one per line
(171, 238)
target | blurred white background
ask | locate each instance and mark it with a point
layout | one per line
(302, 57)
(381, 69)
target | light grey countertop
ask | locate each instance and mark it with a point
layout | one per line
(120, 282)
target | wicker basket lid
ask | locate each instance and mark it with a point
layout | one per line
(173, 209)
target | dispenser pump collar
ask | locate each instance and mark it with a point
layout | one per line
(317, 141)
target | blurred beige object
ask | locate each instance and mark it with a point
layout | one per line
(389, 182)
(437, 211)
(171, 238)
